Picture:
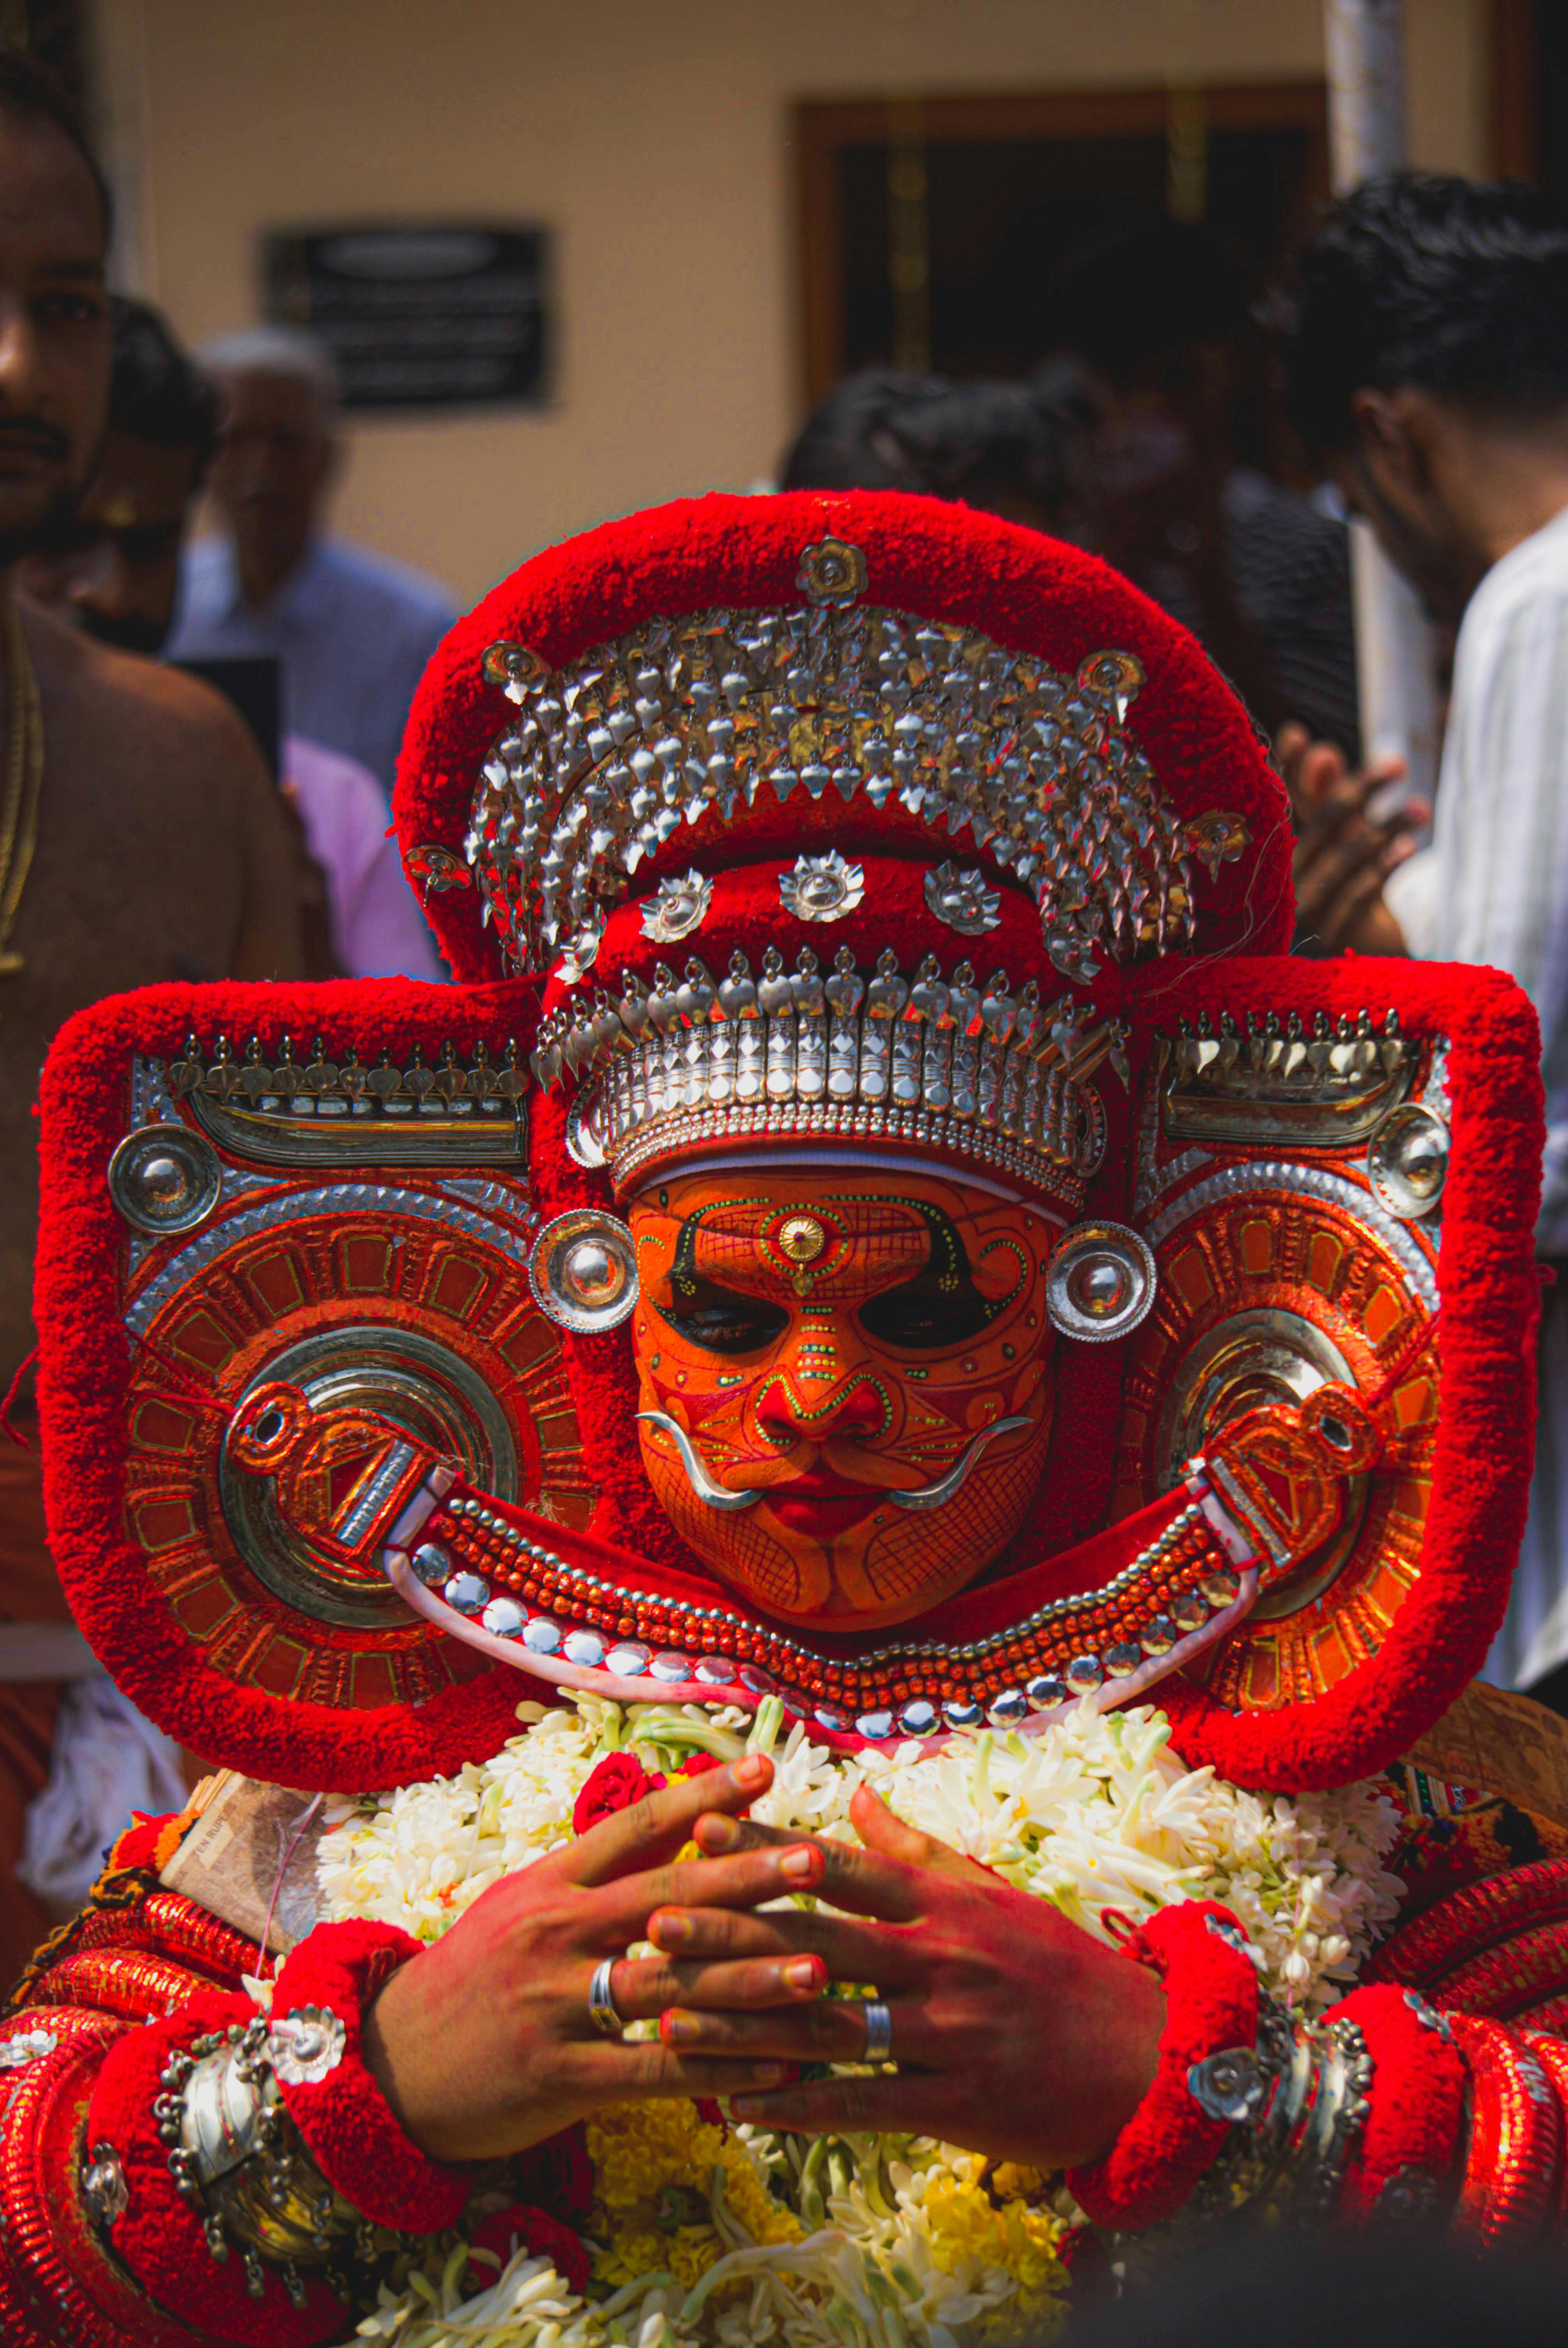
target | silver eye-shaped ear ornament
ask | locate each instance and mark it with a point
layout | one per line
(1101, 1282)
(582, 1269)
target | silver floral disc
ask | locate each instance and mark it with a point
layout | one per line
(1101, 1282)
(822, 887)
(962, 900)
(582, 1269)
(306, 2045)
(677, 907)
(164, 1178)
(1408, 1161)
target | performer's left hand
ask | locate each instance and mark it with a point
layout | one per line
(1015, 2033)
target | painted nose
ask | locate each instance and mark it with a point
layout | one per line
(857, 1409)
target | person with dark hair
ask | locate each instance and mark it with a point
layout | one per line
(998, 447)
(1428, 363)
(141, 839)
(1156, 315)
(113, 566)
(115, 572)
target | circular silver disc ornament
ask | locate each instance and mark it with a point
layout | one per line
(1408, 1161)
(1101, 1282)
(164, 1178)
(582, 1269)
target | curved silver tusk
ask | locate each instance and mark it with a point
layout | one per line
(937, 1495)
(712, 1494)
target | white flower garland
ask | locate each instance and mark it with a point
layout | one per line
(1094, 1814)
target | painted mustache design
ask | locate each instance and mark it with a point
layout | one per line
(924, 1498)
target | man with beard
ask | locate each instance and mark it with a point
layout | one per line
(139, 837)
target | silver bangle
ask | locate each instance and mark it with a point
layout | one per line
(237, 2157)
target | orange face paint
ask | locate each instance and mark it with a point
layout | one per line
(828, 1339)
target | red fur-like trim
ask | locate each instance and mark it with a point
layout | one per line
(345, 2118)
(85, 1368)
(937, 560)
(1488, 1294)
(1211, 2003)
(160, 2237)
(1417, 2098)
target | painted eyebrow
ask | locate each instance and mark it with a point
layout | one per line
(84, 268)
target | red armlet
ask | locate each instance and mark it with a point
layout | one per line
(1404, 2160)
(342, 2115)
(1211, 2003)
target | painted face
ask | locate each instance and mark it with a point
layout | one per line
(839, 1342)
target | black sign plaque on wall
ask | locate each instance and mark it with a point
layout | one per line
(453, 315)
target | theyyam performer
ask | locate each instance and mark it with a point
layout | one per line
(822, 1527)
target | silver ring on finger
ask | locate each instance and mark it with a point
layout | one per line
(878, 2031)
(601, 2010)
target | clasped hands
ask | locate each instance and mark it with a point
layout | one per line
(1015, 2033)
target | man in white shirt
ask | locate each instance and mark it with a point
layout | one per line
(1429, 364)
(352, 631)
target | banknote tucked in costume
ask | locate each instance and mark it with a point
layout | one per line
(879, 1264)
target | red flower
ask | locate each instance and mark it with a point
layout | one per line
(539, 2232)
(618, 1782)
(557, 2174)
(696, 1763)
(710, 2112)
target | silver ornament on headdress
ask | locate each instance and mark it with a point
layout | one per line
(822, 887)
(678, 906)
(962, 899)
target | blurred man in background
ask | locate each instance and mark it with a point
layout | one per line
(144, 842)
(114, 570)
(352, 631)
(1429, 363)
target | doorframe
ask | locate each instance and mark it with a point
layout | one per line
(825, 127)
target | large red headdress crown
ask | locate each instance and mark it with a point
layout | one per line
(871, 825)
(839, 854)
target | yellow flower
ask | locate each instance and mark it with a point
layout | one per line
(966, 2225)
(629, 2257)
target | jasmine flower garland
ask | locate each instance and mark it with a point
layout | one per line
(863, 2242)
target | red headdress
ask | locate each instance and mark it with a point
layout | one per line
(868, 823)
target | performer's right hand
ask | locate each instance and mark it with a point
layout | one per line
(483, 2044)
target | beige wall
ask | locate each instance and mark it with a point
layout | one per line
(653, 135)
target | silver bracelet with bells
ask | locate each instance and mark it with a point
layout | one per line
(236, 2157)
